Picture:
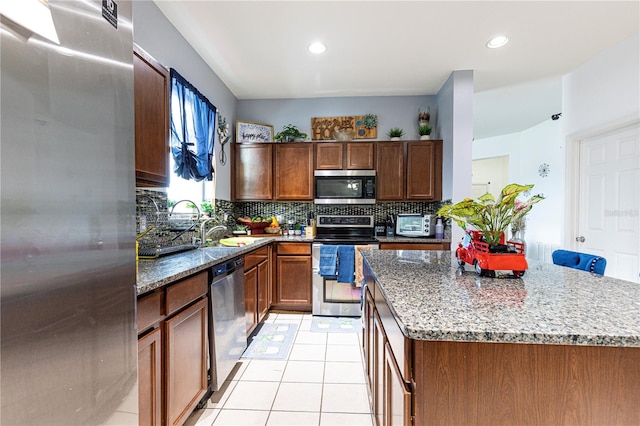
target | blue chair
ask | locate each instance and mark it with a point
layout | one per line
(576, 260)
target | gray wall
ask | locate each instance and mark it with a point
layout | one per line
(158, 37)
(392, 111)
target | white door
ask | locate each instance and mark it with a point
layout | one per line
(609, 215)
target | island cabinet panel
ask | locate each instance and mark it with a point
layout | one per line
(424, 170)
(507, 384)
(293, 173)
(397, 396)
(390, 171)
(292, 289)
(151, 106)
(252, 171)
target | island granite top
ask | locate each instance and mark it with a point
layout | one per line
(432, 299)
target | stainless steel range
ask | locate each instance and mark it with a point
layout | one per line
(330, 297)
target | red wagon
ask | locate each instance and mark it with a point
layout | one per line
(476, 252)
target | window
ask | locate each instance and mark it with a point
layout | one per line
(191, 139)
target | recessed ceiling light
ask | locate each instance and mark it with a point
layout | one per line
(317, 47)
(497, 41)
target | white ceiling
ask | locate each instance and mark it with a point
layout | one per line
(389, 48)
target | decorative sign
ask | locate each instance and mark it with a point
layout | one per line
(322, 127)
(253, 132)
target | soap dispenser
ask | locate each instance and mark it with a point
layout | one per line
(439, 228)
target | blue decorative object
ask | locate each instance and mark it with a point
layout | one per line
(577, 260)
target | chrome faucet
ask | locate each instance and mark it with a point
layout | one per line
(220, 229)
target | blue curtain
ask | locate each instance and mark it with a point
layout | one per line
(192, 130)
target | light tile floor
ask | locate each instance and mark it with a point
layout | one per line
(321, 383)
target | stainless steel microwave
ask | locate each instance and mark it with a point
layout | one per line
(345, 186)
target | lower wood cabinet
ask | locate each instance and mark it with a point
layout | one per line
(150, 378)
(172, 351)
(257, 280)
(292, 290)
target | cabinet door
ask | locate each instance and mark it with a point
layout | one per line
(368, 341)
(186, 362)
(250, 298)
(360, 156)
(293, 286)
(151, 106)
(424, 170)
(329, 156)
(397, 406)
(263, 289)
(253, 168)
(150, 379)
(294, 171)
(390, 171)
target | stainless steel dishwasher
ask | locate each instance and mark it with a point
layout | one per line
(227, 323)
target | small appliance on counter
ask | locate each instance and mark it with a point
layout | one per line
(415, 225)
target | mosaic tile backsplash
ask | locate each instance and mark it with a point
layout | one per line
(165, 234)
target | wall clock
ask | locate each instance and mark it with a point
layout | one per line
(544, 170)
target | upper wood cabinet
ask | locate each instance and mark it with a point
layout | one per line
(293, 173)
(344, 156)
(424, 170)
(409, 170)
(151, 103)
(253, 171)
(390, 171)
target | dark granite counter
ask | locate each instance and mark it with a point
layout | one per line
(414, 240)
(156, 273)
(432, 300)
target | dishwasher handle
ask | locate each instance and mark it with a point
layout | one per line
(228, 267)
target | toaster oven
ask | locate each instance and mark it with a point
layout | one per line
(415, 225)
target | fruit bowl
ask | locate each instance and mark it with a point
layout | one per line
(272, 230)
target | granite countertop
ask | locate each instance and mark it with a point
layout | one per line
(432, 300)
(155, 273)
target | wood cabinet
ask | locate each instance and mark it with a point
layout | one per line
(409, 170)
(424, 170)
(292, 290)
(345, 156)
(252, 171)
(172, 351)
(151, 106)
(257, 280)
(293, 172)
(390, 171)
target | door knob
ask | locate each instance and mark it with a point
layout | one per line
(580, 239)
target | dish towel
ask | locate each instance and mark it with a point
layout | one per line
(346, 264)
(328, 261)
(359, 274)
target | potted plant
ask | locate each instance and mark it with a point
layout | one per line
(290, 133)
(424, 131)
(395, 133)
(489, 215)
(206, 208)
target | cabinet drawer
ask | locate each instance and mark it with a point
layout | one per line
(255, 257)
(150, 310)
(294, 248)
(186, 291)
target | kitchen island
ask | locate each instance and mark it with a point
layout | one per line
(444, 346)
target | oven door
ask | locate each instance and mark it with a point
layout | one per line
(330, 298)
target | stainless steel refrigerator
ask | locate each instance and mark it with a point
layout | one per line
(67, 215)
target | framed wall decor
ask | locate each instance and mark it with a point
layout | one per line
(247, 131)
